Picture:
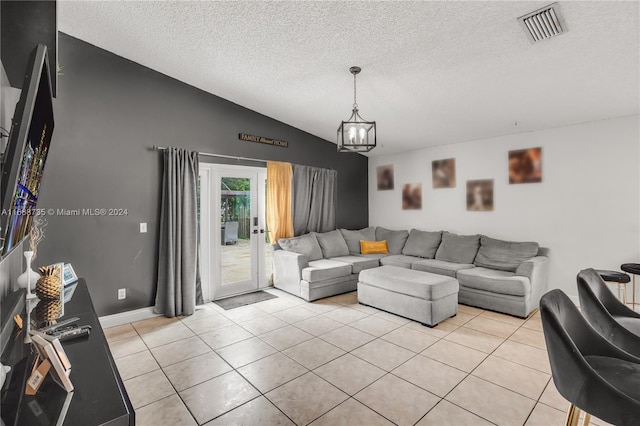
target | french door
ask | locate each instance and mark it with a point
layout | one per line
(235, 255)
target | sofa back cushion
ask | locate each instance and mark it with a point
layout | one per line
(458, 248)
(332, 244)
(504, 255)
(353, 238)
(422, 243)
(306, 245)
(395, 239)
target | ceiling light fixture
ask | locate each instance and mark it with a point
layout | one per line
(356, 134)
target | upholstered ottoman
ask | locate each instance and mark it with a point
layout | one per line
(420, 296)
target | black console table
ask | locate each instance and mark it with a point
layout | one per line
(99, 397)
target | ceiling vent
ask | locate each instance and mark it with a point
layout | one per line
(543, 23)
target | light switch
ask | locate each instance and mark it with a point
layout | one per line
(143, 227)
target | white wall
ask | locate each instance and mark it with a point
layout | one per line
(586, 210)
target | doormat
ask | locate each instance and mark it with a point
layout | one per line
(244, 299)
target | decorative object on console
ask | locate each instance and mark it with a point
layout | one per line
(49, 349)
(525, 166)
(385, 177)
(36, 233)
(356, 134)
(49, 290)
(412, 196)
(480, 195)
(29, 277)
(49, 285)
(68, 275)
(444, 173)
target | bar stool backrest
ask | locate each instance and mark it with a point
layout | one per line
(589, 284)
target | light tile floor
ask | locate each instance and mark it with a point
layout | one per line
(333, 362)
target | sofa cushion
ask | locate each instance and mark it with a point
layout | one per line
(422, 243)
(504, 255)
(399, 260)
(306, 245)
(325, 269)
(494, 281)
(440, 267)
(358, 263)
(374, 247)
(332, 244)
(458, 248)
(353, 238)
(395, 239)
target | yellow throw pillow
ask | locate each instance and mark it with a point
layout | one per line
(374, 247)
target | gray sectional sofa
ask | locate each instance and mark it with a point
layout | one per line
(503, 276)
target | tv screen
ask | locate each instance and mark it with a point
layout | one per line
(26, 153)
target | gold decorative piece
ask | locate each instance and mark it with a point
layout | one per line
(49, 285)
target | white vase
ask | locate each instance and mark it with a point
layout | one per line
(29, 277)
(22, 279)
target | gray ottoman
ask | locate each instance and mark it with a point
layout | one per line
(420, 296)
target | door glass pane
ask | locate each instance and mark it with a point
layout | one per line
(235, 214)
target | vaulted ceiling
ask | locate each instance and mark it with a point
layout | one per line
(433, 72)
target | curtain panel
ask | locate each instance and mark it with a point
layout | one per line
(315, 194)
(178, 276)
(279, 219)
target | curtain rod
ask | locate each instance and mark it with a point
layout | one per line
(231, 157)
(208, 154)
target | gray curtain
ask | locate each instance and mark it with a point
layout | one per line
(178, 276)
(314, 199)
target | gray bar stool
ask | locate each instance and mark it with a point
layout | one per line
(616, 278)
(633, 269)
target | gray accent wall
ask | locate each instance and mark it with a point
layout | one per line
(109, 111)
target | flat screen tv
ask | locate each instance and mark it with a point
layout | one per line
(26, 153)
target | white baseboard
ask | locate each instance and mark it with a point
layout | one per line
(127, 317)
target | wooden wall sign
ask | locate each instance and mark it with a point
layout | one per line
(262, 139)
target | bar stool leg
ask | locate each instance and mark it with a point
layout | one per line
(573, 416)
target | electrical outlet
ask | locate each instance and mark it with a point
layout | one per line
(143, 227)
(122, 293)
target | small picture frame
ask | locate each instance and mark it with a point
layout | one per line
(52, 351)
(68, 275)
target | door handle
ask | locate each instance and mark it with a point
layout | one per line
(255, 231)
(262, 231)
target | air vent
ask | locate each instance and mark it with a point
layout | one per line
(543, 23)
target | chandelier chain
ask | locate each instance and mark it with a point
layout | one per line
(355, 103)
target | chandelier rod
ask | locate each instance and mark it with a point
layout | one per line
(355, 102)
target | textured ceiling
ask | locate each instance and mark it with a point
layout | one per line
(433, 72)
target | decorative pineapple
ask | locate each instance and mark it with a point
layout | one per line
(49, 285)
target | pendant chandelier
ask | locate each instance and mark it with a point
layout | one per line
(356, 134)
